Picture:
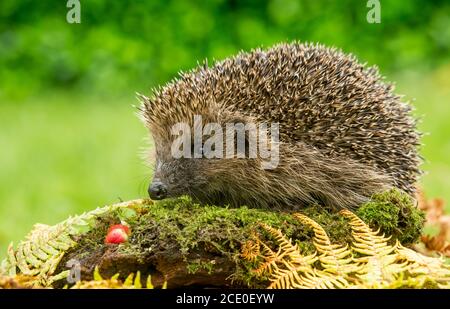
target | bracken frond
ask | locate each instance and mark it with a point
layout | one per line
(370, 262)
(289, 251)
(307, 278)
(287, 254)
(17, 282)
(133, 281)
(380, 263)
(334, 258)
(421, 265)
(40, 253)
(251, 249)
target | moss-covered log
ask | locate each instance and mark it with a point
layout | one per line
(187, 244)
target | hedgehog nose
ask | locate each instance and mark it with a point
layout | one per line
(157, 190)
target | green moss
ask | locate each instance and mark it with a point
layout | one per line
(190, 224)
(206, 233)
(196, 265)
(395, 214)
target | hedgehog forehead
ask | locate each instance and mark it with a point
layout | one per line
(168, 113)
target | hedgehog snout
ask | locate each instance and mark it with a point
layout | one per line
(157, 190)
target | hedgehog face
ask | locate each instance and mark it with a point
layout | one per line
(176, 177)
(216, 181)
(195, 171)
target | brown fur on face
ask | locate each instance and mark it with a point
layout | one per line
(344, 134)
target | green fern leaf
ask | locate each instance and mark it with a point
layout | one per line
(41, 252)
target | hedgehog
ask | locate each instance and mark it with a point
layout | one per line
(344, 134)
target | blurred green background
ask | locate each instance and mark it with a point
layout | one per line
(69, 137)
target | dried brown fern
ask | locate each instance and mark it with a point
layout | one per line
(251, 249)
(370, 262)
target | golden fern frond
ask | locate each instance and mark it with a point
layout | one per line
(288, 268)
(323, 280)
(287, 250)
(16, 282)
(307, 278)
(400, 281)
(99, 283)
(284, 278)
(286, 264)
(367, 241)
(251, 249)
(378, 272)
(134, 282)
(8, 265)
(334, 258)
(379, 261)
(270, 260)
(424, 266)
(378, 264)
(40, 253)
(131, 282)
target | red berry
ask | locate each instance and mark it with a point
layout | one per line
(117, 234)
(123, 227)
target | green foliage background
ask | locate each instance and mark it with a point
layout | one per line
(69, 139)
